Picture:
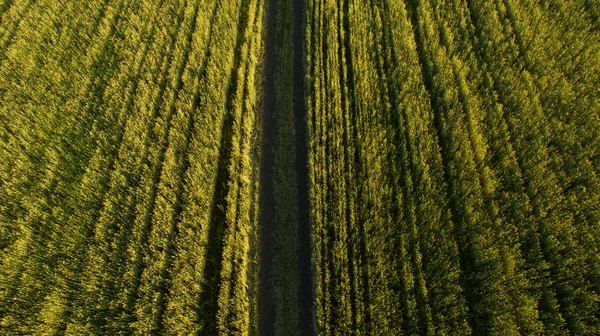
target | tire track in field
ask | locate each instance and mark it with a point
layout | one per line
(305, 287)
(266, 218)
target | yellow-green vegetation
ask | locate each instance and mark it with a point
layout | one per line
(454, 166)
(302, 167)
(129, 134)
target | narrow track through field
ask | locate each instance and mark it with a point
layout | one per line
(266, 219)
(305, 287)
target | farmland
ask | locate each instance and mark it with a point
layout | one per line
(129, 166)
(454, 166)
(272, 167)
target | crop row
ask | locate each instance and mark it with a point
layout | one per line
(454, 166)
(129, 132)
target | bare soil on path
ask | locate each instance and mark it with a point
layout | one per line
(305, 286)
(266, 220)
(266, 304)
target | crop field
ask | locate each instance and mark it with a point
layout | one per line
(454, 155)
(302, 167)
(129, 150)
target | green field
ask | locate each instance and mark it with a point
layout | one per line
(305, 167)
(129, 164)
(454, 166)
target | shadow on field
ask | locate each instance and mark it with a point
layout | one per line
(266, 219)
(209, 294)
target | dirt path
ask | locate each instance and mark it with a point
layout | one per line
(266, 304)
(305, 287)
(266, 220)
